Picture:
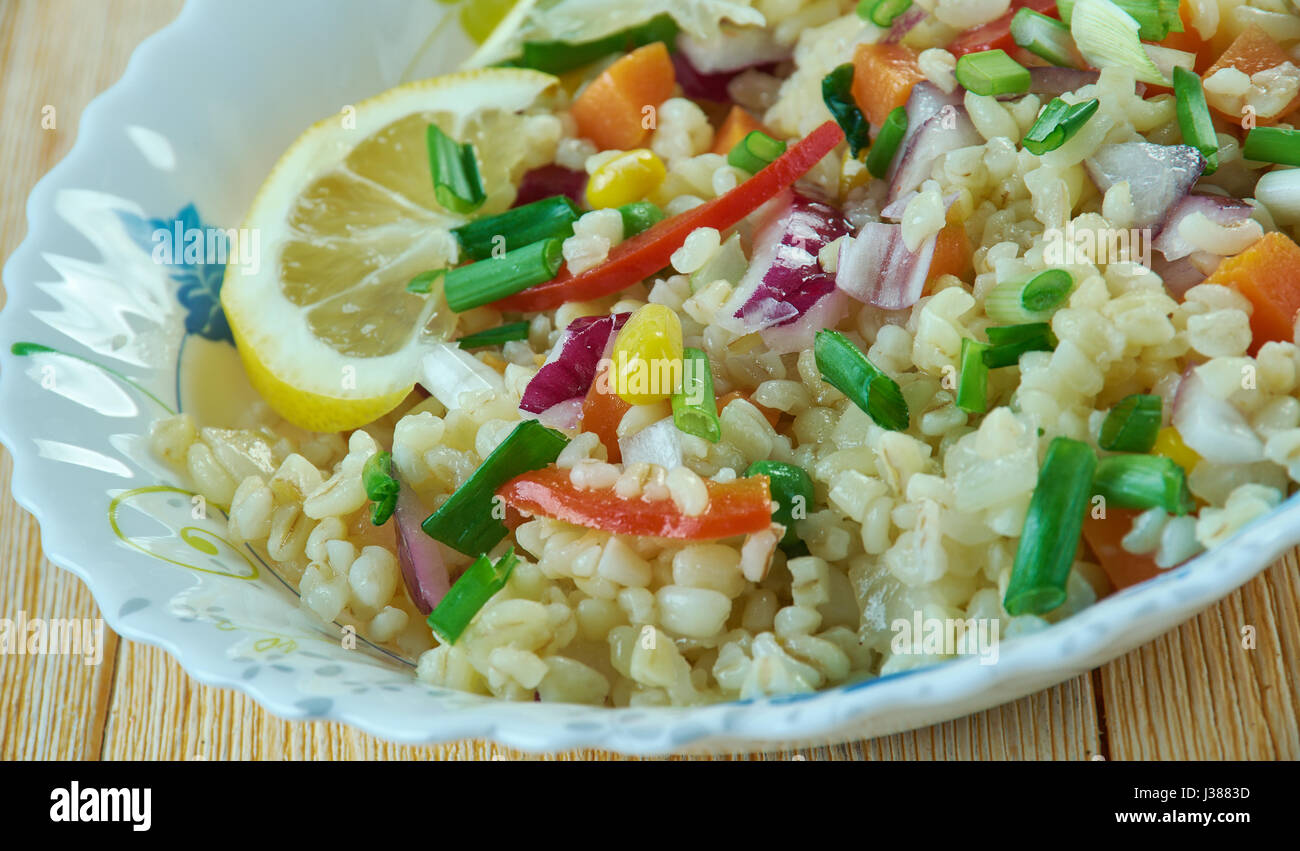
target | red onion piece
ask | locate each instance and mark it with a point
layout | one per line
(1220, 210)
(423, 569)
(566, 415)
(571, 366)
(926, 101)
(1159, 176)
(877, 269)
(1213, 426)
(785, 279)
(1052, 82)
(947, 130)
(904, 24)
(549, 181)
(698, 85)
(1178, 276)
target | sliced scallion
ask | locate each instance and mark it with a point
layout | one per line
(992, 72)
(476, 586)
(640, 216)
(887, 141)
(882, 12)
(1143, 481)
(1044, 37)
(843, 366)
(469, 521)
(557, 57)
(1009, 342)
(973, 383)
(837, 92)
(1156, 18)
(381, 487)
(1272, 145)
(1029, 301)
(456, 181)
(495, 336)
(1057, 124)
(792, 491)
(755, 152)
(550, 218)
(1194, 117)
(1052, 530)
(1132, 425)
(477, 284)
(1107, 35)
(423, 282)
(695, 407)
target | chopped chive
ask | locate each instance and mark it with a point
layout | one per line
(470, 521)
(728, 263)
(1272, 145)
(837, 92)
(550, 218)
(1156, 18)
(1143, 481)
(1032, 300)
(887, 141)
(1009, 342)
(477, 284)
(792, 491)
(1132, 425)
(755, 152)
(463, 600)
(456, 181)
(495, 336)
(1057, 124)
(992, 72)
(973, 385)
(1044, 37)
(844, 367)
(640, 216)
(557, 57)
(423, 282)
(882, 12)
(381, 486)
(695, 407)
(1194, 117)
(1052, 530)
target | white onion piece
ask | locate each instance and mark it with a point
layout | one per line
(1279, 192)
(659, 443)
(800, 334)
(1213, 426)
(732, 50)
(876, 268)
(1159, 176)
(1224, 212)
(457, 379)
(1167, 59)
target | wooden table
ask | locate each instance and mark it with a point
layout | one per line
(1193, 693)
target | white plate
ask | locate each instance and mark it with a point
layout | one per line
(204, 109)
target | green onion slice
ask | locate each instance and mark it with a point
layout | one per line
(846, 368)
(1108, 35)
(557, 57)
(381, 486)
(791, 489)
(695, 407)
(456, 181)
(1052, 530)
(495, 336)
(423, 282)
(755, 152)
(973, 383)
(1194, 117)
(1132, 425)
(1044, 37)
(1156, 18)
(640, 216)
(837, 92)
(471, 592)
(486, 281)
(1143, 481)
(550, 218)
(1272, 145)
(1031, 301)
(882, 12)
(887, 141)
(1057, 124)
(469, 521)
(992, 72)
(1009, 342)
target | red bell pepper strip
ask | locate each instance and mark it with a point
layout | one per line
(735, 508)
(602, 412)
(996, 34)
(643, 255)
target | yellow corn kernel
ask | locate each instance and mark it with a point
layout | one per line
(1169, 443)
(647, 356)
(626, 178)
(853, 173)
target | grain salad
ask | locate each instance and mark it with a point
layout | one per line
(694, 351)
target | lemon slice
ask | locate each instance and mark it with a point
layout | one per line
(326, 329)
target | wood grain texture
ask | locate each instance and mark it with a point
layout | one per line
(1193, 693)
